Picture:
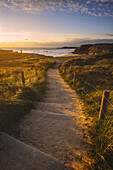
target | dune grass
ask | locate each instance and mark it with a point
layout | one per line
(17, 99)
(93, 75)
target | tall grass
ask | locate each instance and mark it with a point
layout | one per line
(17, 99)
(94, 74)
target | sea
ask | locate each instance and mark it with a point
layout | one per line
(45, 51)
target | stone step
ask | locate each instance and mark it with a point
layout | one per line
(51, 114)
(16, 155)
(55, 107)
(62, 108)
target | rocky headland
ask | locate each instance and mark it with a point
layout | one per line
(91, 49)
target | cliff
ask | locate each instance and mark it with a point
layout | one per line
(83, 49)
(92, 49)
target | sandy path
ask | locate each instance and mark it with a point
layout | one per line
(58, 125)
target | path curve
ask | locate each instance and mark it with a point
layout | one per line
(58, 125)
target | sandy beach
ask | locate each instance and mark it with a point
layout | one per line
(70, 55)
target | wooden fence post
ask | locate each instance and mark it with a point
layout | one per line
(103, 107)
(36, 72)
(74, 82)
(23, 79)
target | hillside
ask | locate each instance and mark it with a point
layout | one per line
(56, 126)
(17, 98)
(94, 74)
(93, 49)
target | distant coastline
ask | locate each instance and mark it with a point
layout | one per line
(65, 47)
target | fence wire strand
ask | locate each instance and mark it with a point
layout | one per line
(96, 103)
(108, 101)
(94, 100)
(95, 89)
(89, 84)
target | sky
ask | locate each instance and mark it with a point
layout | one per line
(55, 23)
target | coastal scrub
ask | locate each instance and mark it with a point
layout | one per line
(17, 98)
(94, 74)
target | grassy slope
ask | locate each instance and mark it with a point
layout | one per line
(16, 99)
(97, 71)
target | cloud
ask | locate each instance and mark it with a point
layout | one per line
(88, 2)
(14, 33)
(103, 0)
(75, 42)
(89, 7)
(72, 42)
(111, 35)
(79, 41)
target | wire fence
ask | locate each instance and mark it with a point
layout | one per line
(104, 100)
(101, 131)
(12, 83)
(95, 89)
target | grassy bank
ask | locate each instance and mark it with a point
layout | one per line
(93, 75)
(17, 99)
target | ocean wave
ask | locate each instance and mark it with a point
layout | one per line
(47, 51)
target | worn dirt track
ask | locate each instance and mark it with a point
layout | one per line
(58, 125)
